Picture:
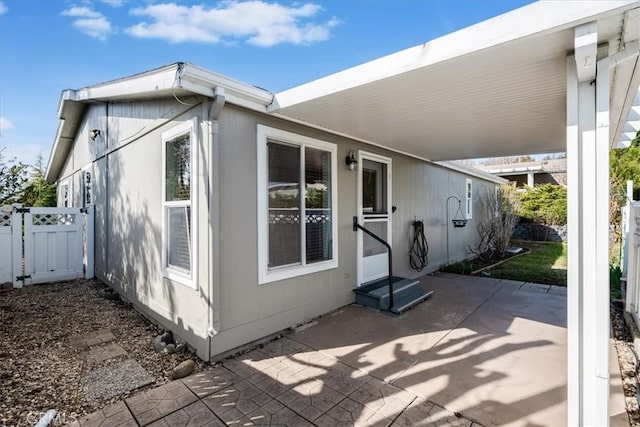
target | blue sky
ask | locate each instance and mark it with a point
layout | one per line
(47, 46)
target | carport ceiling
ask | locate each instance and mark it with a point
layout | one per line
(497, 88)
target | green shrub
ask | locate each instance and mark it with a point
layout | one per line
(615, 274)
(544, 204)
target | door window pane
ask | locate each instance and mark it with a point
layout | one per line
(374, 187)
(284, 204)
(318, 220)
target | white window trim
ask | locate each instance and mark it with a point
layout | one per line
(63, 184)
(468, 206)
(85, 170)
(172, 273)
(265, 275)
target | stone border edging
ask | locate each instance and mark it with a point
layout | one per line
(488, 267)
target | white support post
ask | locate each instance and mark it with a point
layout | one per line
(530, 179)
(587, 293)
(599, 289)
(588, 145)
(574, 292)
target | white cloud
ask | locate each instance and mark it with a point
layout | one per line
(90, 22)
(3, 8)
(114, 3)
(256, 21)
(5, 124)
(82, 12)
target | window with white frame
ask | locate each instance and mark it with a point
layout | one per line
(179, 203)
(469, 199)
(87, 188)
(297, 205)
(63, 195)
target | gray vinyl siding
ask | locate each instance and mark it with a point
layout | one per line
(127, 173)
(249, 310)
(128, 210)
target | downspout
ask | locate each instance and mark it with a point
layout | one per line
(107, 204)
(214, 213)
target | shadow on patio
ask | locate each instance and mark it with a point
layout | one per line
(480, 351)
(483, 348)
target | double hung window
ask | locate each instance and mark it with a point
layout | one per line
(178, 203)
(297, 204)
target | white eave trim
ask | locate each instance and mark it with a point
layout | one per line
(471, 171)
(536, 19)
(176, 77)
(201, 81)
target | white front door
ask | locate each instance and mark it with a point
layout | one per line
(374, 213)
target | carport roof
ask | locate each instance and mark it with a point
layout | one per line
(497, 88)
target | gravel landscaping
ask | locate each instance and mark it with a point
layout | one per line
(43, 366)
(627, 360)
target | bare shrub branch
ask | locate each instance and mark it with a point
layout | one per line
(498, 216)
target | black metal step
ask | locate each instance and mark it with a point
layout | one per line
(410, 299)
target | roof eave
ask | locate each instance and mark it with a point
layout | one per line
(175, 79)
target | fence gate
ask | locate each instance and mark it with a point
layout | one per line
(46, 245)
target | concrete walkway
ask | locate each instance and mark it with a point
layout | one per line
(481, 351)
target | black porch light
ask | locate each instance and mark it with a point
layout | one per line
(350, 160)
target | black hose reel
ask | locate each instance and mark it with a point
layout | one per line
(418, 256)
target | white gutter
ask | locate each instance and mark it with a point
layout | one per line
(198, 80)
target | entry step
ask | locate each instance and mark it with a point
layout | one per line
(406, 294)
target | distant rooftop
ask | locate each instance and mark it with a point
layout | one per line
(555, 165)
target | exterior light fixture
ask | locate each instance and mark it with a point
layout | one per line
(350, 160)
(94, 133)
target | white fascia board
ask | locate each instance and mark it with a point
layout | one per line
(538, 18)
(145, 84)
(625, 89)
(515, 170)
(183, 76)
(234, 89)
(471, 171)
(49, 175)
(631, 26)
(67, 100)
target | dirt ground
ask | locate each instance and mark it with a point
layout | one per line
(41, 370)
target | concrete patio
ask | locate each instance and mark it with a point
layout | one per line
(481, 351)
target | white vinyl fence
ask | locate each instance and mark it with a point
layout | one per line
(632, 243)
(39, 245)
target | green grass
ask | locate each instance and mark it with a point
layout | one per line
(546, 263)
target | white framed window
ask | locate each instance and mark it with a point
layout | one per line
(87, 188)
(297, 205)
(63, 195)
(469, 198)
(179, 173)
